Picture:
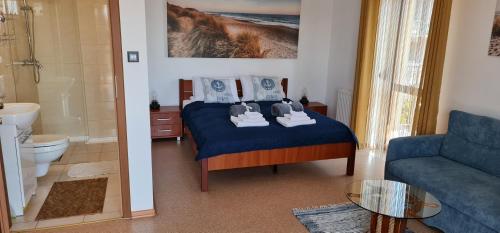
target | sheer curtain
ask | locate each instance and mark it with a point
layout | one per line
(403, 28)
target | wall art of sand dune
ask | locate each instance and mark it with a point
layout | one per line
(200, 33)
(495, 37)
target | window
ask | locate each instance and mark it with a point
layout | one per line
(400, 50)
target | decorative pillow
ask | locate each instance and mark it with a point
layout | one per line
(198, 92)
(267, 88)
(247, 86)
(199, 88)
(218, 90)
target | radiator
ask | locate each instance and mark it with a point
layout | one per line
(344, 106)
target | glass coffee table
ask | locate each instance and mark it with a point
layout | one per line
(392, 203)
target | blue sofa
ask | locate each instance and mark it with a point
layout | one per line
(461, 169)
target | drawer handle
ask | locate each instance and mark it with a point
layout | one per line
(164, 119)
(166, 130)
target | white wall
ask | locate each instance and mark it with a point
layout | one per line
(343, 52)
(310, 70)
(471, 79)
(133, 27)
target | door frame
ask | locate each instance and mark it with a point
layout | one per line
(121, 118)
(114, 10)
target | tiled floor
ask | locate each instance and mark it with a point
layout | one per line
(86, 153)
(241, 200)
(77, 153)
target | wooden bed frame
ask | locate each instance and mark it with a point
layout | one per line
(272, 157)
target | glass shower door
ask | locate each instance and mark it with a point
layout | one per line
(46, 31)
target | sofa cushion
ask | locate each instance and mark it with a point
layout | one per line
(474, 141)
(468, 190)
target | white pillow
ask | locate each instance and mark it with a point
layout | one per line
(267, 88)
(199, 91)
(247, 86)
(218, 90)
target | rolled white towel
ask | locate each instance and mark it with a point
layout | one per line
(240, 124)
(287, 123)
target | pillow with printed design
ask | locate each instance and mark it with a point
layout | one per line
(267, 88)
(219, 90)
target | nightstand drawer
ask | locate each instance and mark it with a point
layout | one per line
(167, 118)
(166, 131)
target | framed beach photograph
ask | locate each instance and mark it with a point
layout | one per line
(495, 35)
(232, 28)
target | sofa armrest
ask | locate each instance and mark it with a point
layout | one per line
(413, 147)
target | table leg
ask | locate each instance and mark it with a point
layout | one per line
(399, 224)
(386, 222)
(373, 223)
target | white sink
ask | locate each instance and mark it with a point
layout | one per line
(21, 115)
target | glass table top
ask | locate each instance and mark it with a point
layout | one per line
(393, 199)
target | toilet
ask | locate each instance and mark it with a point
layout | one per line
(47, 149)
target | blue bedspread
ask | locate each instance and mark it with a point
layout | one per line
(215, 134)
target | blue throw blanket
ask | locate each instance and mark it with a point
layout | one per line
(215, 134)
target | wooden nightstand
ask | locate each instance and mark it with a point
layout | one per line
(317, 107)
(166, 122)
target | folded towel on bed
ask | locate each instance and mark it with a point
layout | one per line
(247, 115)
(236, 110)
(253, 114)
(287, 123)
(280, 109)
(296, 114)
(251, 118)
(245, 123)
(296, 118)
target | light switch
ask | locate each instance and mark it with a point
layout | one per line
(133, 56)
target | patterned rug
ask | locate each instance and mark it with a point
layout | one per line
(73, 198)
(338, 218)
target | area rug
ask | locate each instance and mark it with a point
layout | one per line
(73, 198)
(93, 169)
(345, 218)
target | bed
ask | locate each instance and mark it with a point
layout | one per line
(219, 145)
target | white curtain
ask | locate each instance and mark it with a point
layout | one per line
(400, 48)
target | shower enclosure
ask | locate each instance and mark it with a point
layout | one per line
(58, 53)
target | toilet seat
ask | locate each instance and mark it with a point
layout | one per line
(49, 140)
(47, 149)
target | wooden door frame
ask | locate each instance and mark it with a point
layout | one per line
(114, 11)
(5, 222)
(121, 119)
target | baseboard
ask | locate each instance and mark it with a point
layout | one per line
(143, 214)
(78, 138)
(102, 140)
